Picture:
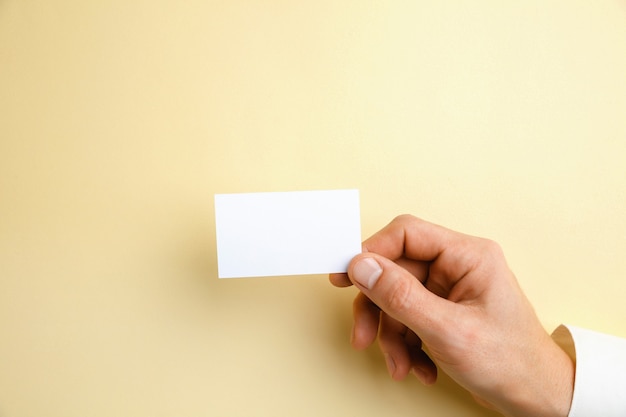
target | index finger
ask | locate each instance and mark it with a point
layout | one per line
(340, 280)
(410, 237)
(407, 240)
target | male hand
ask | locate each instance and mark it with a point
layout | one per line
(435, 297)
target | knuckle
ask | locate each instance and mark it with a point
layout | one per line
(492, 251)
(492, 247)
(400, 298)
(404, 219)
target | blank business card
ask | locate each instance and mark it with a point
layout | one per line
(286, 233)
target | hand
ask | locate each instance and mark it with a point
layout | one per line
(436, 297)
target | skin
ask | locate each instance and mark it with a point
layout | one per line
(439, 299)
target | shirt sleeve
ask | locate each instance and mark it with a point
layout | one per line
(600, 382)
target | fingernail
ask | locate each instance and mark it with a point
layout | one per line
(366, 272)
(391, 364)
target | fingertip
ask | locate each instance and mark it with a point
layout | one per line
(366, 321)
(391, 366)
(425, 373)
(423, 367)
(361, 339)
(398, 370)
(357, 341)
(340, 280)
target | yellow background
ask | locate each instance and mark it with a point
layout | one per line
(119, 121)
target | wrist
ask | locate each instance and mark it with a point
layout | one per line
(548, 387)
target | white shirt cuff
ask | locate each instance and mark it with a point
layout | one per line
(600, 382)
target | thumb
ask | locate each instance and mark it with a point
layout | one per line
(399, 293)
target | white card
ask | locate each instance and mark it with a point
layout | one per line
(286, 233)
